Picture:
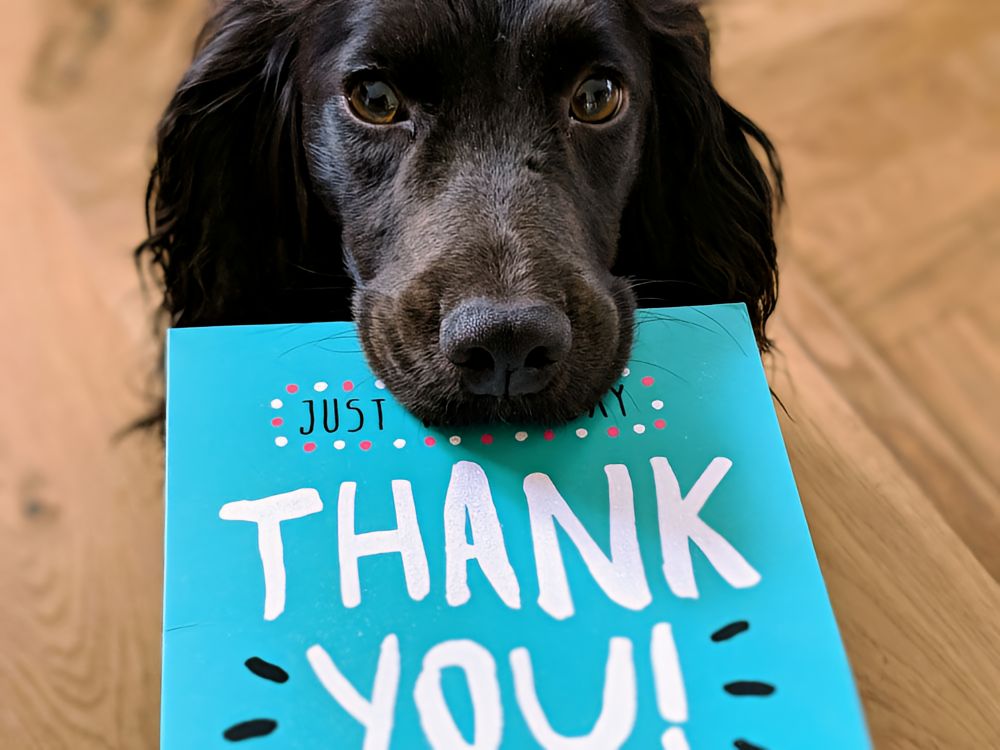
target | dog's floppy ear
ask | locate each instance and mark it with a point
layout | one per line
(230, 213)
(700, 219)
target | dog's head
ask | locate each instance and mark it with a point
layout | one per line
(482, 184)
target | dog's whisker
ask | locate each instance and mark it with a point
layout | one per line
(314, 271)
(660, 367)
(721, 328)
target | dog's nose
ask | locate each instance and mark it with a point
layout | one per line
(505, 348)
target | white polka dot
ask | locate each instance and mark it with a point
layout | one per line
(380, 385)
(581, 433)
(520, 436)
(657, 404)
(320, 386)
(276, 404)
(399, 443)
(639, 429)
(281, 441)
(626, 372)
(455, 440)
(339, 445)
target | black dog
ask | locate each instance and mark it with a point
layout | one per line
(481, 183)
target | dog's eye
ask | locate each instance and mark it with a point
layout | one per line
(596, 100)
(375, 102)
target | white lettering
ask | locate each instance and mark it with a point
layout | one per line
(622, 577)
(404, 539)
(481, 674)
(618, 709)
(268, 513)
(680, 523)
(469, 495)
(671, 698)
(376, 715)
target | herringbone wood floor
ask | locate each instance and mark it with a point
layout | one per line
(887, 113)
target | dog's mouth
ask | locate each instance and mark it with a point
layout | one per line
(446, 405)
(486, 360)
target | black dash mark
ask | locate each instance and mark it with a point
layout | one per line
(246, 730)
(249, 729)
(761, 689)
(744, 745)
(731, 630)
(265, 669)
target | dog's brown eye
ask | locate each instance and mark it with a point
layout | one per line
(596, 100)
(375, 102)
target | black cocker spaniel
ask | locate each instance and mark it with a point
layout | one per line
(486, 186)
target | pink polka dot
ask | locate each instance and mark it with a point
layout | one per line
(348, 386)
(292, 388)
(487, 439)
(365, 445)
(429, 441)
(309, 447)
(648, 380)
(613, 432)
(277, 422)
(549, 435)
(660, 424)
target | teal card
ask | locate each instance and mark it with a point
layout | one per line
(338, 575)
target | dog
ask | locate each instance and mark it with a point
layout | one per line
(488, 188)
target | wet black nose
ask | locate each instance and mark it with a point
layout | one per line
(505, 348)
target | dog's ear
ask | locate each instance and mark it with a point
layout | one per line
(700, 221)
(235, 232)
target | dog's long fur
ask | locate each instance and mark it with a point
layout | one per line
(240, 232)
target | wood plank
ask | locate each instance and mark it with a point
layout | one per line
(745, 33)
(966, 272)
(80, 528)
(97, 79)
(871, 163)
(918, 613)
(963, 494)
(947, 264)
(959, 368)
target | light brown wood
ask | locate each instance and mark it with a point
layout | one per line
(887, 114)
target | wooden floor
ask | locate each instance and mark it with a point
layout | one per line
(887, 113)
